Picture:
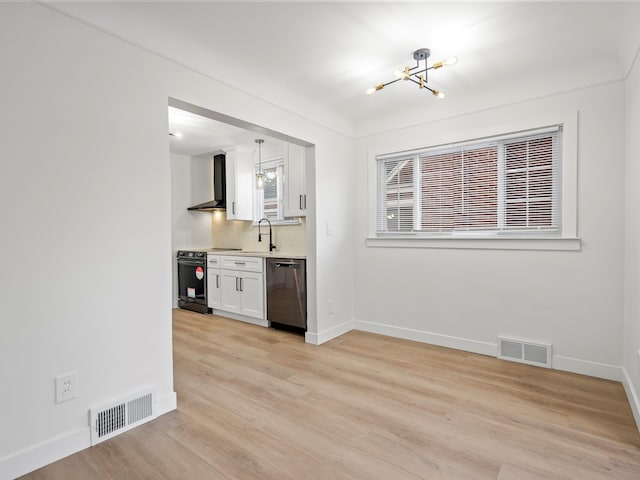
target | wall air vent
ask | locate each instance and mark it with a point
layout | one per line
(117, 417)
(524, 352)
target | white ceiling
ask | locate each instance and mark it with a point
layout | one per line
(196, 135)
(321, 57)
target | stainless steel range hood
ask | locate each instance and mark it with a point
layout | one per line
(219, 201)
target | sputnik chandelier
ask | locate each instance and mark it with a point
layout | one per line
(418, 74)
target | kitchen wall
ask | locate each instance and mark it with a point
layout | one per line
(288, 239)
(190, 185)
(86, 195)
(465, 298)
(632, 242)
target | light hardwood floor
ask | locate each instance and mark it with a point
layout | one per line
(255, 403)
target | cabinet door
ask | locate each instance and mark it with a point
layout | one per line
(239, 184)
(295, 193)
(230, 294)
(213, 288)
(253, 294)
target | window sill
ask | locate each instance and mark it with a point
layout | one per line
(497, 243)
(276, 223)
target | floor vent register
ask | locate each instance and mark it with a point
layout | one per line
(117, 417)
(524, 352)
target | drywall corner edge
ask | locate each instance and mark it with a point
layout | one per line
(632, 397)
(330, 334)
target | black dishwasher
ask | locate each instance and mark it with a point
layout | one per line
(287, 292)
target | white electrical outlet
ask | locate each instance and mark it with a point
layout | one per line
(330, 230)
(66, 387)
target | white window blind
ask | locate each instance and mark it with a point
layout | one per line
(396, 185)
(507, 183)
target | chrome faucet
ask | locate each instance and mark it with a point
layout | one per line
(272, 247)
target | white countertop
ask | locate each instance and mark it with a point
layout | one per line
(265, 254)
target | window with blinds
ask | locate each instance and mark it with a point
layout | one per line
(269, 201)
(504, 184)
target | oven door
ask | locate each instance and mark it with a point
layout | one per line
(192, 281)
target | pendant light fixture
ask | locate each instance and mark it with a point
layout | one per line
(417, 75)
(259, 175)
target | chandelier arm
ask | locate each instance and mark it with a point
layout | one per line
(422, 71)
(392, 81)
(422, 86)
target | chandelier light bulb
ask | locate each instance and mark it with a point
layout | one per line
(451, 61)
(260, 181)
(439, 94)
(401, 73)
(375, 89)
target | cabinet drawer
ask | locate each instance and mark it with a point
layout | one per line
(244, 264)
(213, 261)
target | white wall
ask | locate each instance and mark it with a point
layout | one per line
(190, 185)
(632, 243)
(85, 202)
(464, 298)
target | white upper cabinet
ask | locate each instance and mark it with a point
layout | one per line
(239, 169)
(295, 192)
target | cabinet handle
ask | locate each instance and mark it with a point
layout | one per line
(217, 281)
(300, 201)
(241, 286)
(240, 263)
(233, 207)
(237, 289)
(305, 201)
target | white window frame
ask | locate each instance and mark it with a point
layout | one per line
(258, 210)
(565, 239)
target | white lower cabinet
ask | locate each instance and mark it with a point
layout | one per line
(213, 281)
(230, 298)
(252, 293)
(243, 293)
(242, 286)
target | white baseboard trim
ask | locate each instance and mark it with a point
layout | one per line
(574, 365)
(243, 318)
(49, 451)
(57, 448)
(585, 367)
(474, 346)
(632, 396)
(330, 334)
(166, 403)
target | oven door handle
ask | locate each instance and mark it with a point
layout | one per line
(191, 262)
